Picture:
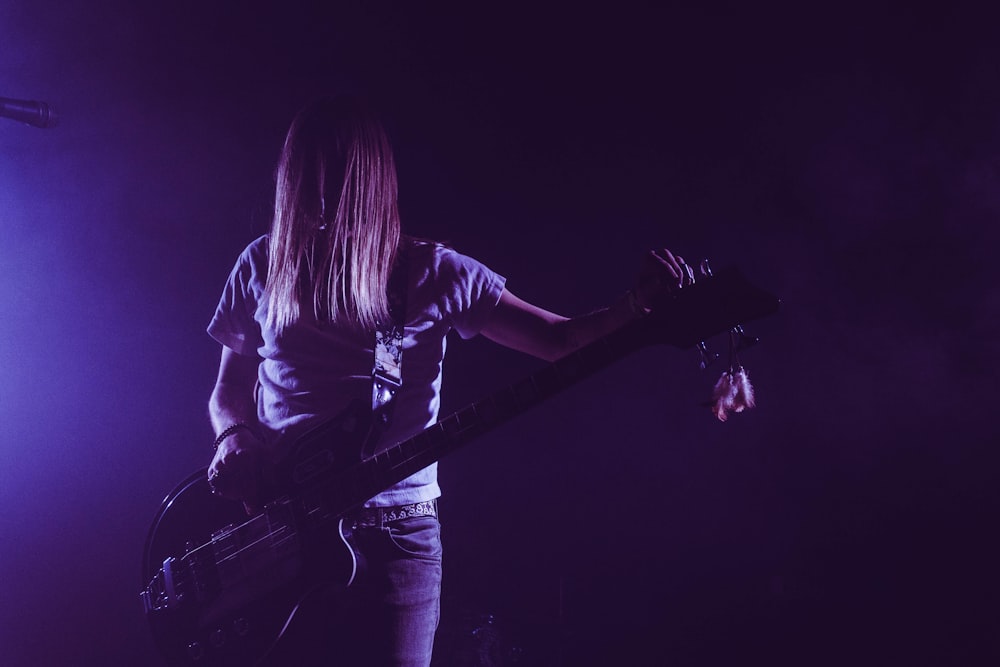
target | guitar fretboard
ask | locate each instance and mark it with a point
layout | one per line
(709, 307)
(367, 478)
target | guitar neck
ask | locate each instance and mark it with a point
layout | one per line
(398, 462)
(682, 319)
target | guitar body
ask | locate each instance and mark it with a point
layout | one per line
(224, 585)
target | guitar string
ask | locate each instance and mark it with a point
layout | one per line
(250, 545)
(439, 428)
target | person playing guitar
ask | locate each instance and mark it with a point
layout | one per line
(335, 306)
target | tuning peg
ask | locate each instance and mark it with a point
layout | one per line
(688, 278)
(707, 358)
(742, 339)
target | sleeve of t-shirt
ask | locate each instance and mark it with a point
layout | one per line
(233, 324)
(475, 292)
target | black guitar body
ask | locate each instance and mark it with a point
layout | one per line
(221, 585)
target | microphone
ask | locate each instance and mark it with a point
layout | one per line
(33, 113)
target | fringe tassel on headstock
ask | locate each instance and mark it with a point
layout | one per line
(732, 393)
(723, 396)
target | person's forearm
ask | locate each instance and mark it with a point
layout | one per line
(231, 404)
(576, 332)
(527, 328)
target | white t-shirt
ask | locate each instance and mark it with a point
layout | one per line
(312, 372)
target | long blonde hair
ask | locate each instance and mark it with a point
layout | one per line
(336, 228)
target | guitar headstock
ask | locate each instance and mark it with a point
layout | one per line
(716, 303)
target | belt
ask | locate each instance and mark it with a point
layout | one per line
(376, 517)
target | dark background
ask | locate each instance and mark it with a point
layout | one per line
(846, 157)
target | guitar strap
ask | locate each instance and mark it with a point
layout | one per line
(387, 370)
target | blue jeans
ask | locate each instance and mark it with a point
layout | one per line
(388, 617)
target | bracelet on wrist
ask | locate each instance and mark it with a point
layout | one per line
(229, 430)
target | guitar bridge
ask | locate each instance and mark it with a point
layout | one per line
(166, 590)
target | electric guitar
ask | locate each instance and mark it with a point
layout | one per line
(221, 587)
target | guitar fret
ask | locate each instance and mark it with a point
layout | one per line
(467, 419)
(505, 402)
(428, 439)
(450, 426)
(525, 392)
(548, 380)
(396, 456)
(408, 447)
(420, 441)
(570, 367)
(488, 411)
